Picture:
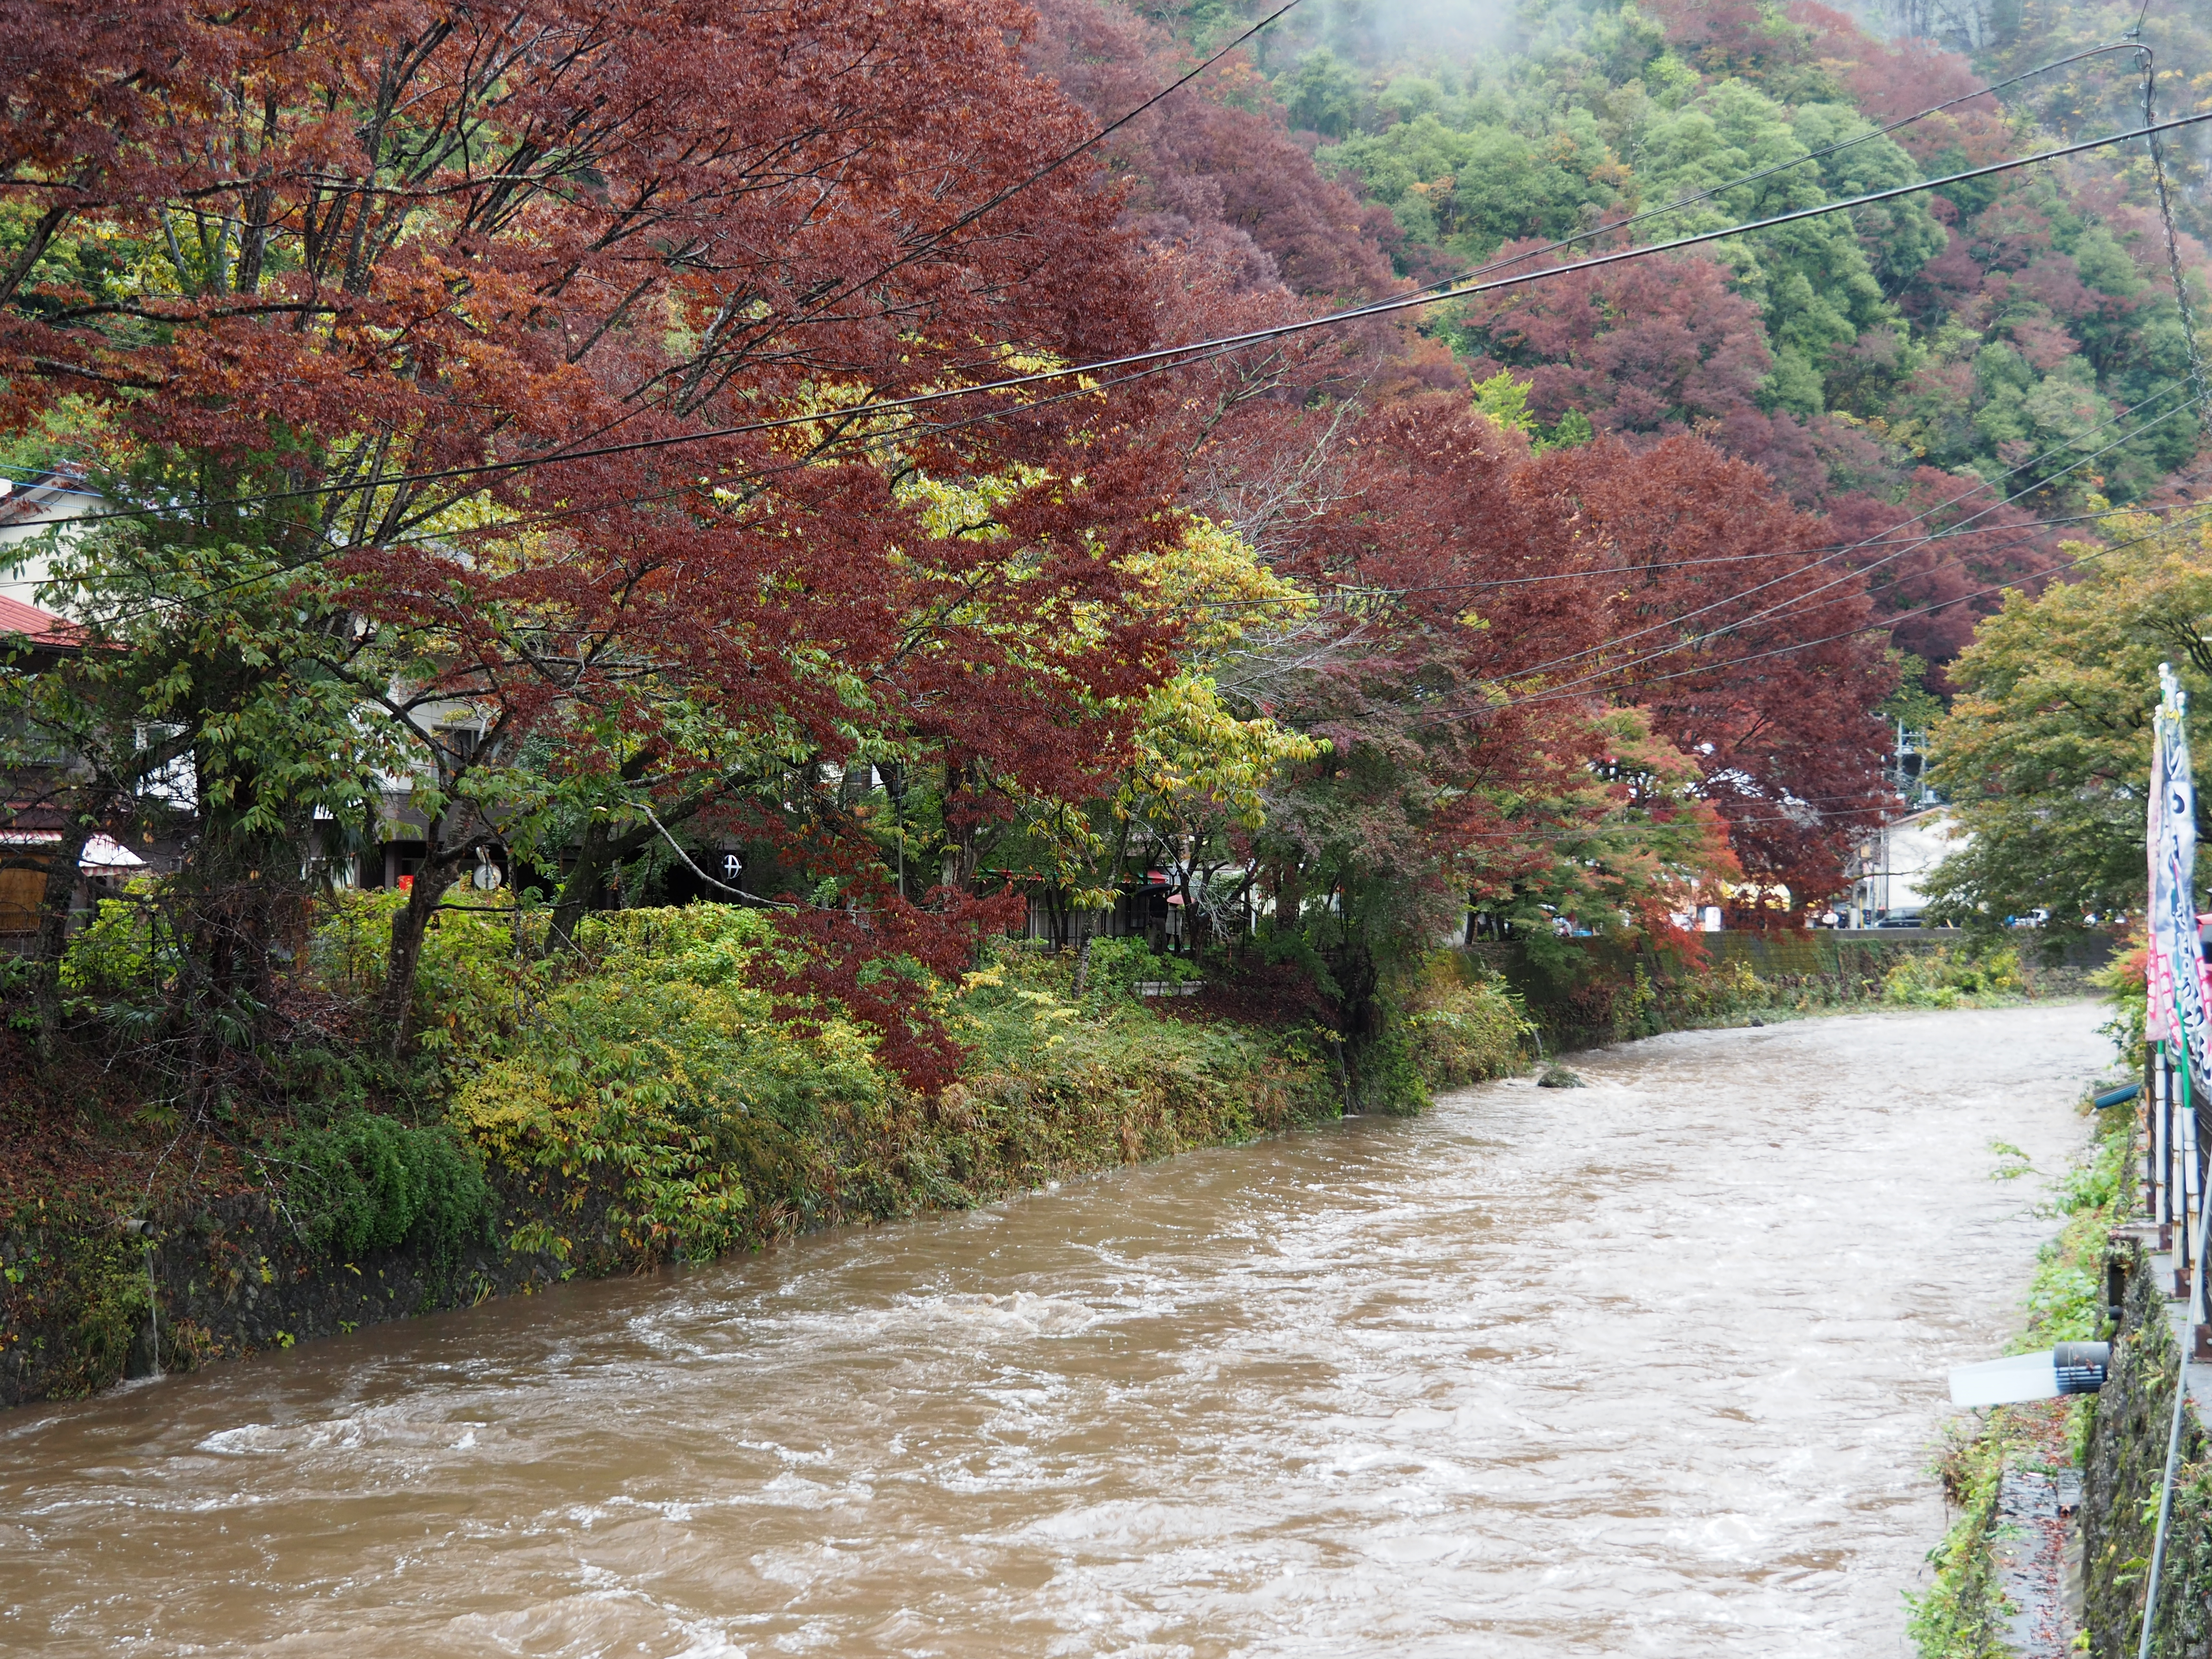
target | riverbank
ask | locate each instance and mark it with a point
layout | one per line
(653, 1106)
(650, 1104)
(2013, 1476)
(1654, 1360)
(2055, 1501)
(1588, 994)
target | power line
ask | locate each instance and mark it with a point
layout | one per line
(1888, 558)
(1562, 695)
(1171, 356)
(1448, 283)
(1598, 572)
(1598, 231)
(995, 202)
(2197, 376)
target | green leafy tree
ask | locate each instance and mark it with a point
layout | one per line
(211, 683)
(1322, 95)
(2046, 752)
(1816, 279)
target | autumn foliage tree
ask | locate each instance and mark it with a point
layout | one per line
(462, 305)
(1751, 640)
(531, 368)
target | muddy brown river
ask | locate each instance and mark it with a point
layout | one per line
(1648, 1368)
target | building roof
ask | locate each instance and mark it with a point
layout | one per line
(16, 618)
(102, 854)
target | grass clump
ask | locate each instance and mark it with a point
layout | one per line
(1961, 1614)
(660, 1104)
(1463, 1025)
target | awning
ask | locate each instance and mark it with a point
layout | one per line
(103, 856)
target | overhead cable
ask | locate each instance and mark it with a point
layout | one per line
(1898, 552)
(1560, 695)
(1172, 357)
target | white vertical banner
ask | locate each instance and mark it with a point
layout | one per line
(2158, 969)
(2176, 965)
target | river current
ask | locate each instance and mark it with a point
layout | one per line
(1651, 1367)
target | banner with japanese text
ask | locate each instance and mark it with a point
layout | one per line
(2175, 971)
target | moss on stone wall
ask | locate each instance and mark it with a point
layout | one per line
(2123, 1463)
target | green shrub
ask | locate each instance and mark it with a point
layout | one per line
(1946, 978)
(671, 1083)
(128, 949)
(699, 944)
(481, 970)
(1153, 1076)
(368, 1182)
(1462, 1029)
(2122, 981)
(1118, 966)
(1386, 1075)
(661, 1081)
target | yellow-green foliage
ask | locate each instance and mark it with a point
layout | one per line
(1946, 978)
(656, 1105)
(126, 950)
(2121, 980)
(665, 1080)
(1463, 1025)
(481, 968)
(1116, 1080)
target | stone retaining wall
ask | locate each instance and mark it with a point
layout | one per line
(2123, 1465)
(233, 1277)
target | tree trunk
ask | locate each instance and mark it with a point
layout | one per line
(395, 1003)
(53, 926)
(599, 853)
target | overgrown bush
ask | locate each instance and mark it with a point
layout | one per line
(369, 1182)
(482, 968)
(1463, 1025)
(663, 1081)
(1948, 978)
(2122, 981)
(1158, 1076)
(1020, 1015)
(1118, 966)
(126, 950)
(665, 1078)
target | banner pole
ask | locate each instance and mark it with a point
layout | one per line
(2180, 1403)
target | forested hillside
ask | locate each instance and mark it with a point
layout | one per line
(2020, 332)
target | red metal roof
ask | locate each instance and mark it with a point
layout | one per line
(16, 618)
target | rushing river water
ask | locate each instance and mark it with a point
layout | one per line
(1650, 1368)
